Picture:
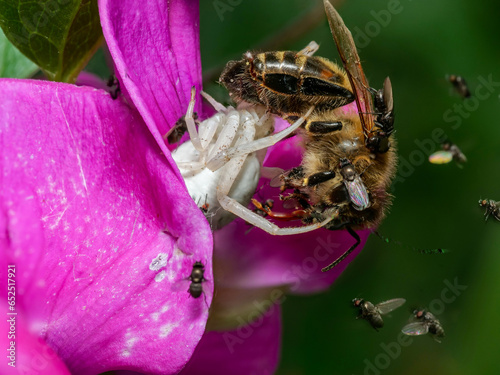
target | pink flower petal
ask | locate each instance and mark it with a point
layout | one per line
(248, 350)
(155, 48)
(258, 259)
(101, 231)
(90, 79)
(27, 352)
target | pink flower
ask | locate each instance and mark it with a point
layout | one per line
(98, 223)
(103, 234)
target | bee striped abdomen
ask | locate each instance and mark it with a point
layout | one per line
(290, 73)
(288, 83)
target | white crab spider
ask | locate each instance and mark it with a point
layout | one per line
(222, 162)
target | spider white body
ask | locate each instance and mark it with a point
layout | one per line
(228, 128)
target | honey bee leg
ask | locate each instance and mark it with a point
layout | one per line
(318, 178)
(190, 167)
(283, 216)
(343, 256)
(310, 49)
(191, 126)
(323, 127)
(221, 158)
(251, 217)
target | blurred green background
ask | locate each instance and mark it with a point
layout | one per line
(436, 205)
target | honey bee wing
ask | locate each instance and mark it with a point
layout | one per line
(389, 305)
(352, 64)
(415, 329)
(388, 98)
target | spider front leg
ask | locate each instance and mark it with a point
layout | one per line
(244, 149)
(191, 126)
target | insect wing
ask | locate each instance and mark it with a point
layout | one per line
(458, 154)
(388, 98)
(278, 179)
(441, 157)
(352, 64)
(392, 304)
(358, 194)
(415, 329)
(181, 285)
(291, 204)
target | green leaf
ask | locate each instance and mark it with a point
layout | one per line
(59, 36)
(13, 64)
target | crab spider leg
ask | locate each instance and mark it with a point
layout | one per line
(217, 161)
(214, 103)
(227, 134)
(208, 128)
(231, 205)
(263, 119)
(190, 168)
(191, 126)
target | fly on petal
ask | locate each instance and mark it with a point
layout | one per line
(358, 194)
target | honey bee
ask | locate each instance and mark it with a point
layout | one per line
(372, 313)
(344, 175)
(492, 208)
(341, 183)
(424, 322)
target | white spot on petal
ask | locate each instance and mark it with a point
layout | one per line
(166, 329)
(160, 276)
(155, 316)
(159, 262)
